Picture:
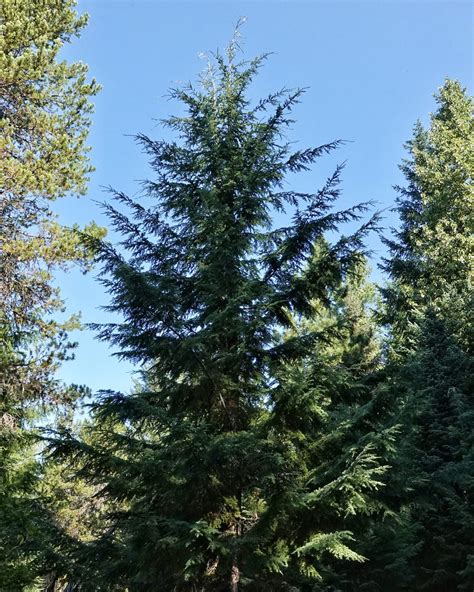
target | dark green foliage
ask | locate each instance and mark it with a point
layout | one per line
(441, 387)
(283, 434)
(237, 465)
(21, 516)
(429, 310)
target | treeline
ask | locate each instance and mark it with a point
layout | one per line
(293, 427)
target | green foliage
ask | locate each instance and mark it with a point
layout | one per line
(286, 433)
(431, 257)
(44, 121)
(429, 308)
(44, 107)
(236, 462)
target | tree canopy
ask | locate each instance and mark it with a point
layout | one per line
(235, 460)
(44, 121)
(292, 427)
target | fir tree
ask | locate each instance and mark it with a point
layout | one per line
(429, 308)
(430, 262)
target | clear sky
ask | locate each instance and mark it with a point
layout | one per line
(371, 69)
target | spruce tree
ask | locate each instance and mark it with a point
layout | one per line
(231, 467)
(429, 309)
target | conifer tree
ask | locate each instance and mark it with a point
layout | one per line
(231, 470)
(348, 366)
(44, 121)
(429, 308)
(430, 262)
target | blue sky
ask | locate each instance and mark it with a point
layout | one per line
(370, 68)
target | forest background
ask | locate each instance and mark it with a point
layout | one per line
(291, 427)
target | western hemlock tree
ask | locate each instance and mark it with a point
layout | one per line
(230, 470)
(429, 308)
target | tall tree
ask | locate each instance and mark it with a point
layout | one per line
(429, 308)
(44, 121)
(231, 470)
(430, 262)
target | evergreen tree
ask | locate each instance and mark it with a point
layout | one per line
(345, 366)
(44, 102)
(232, 467)
(430, 262)
(429, 308)
(78, 512)
(44, 121)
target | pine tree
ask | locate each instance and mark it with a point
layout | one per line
(44, 102)
(44, 121)
(231, 470)
(429, 308)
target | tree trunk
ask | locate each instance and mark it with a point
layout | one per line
(234, 577)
